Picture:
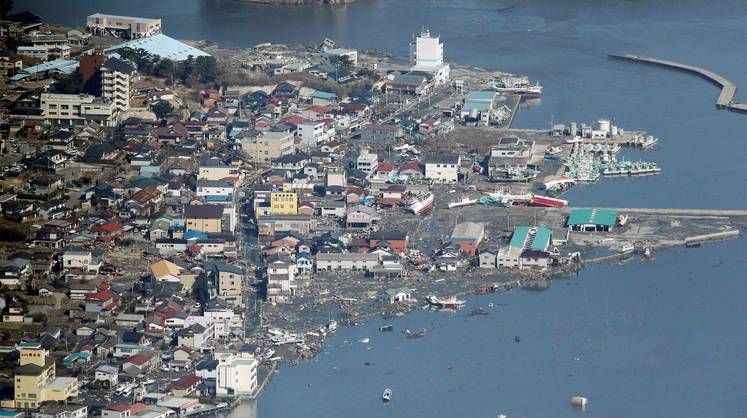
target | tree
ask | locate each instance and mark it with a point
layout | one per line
(5, 7)
(162, 108)
(341, 62)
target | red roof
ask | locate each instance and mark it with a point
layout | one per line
(108, 227)
(186, 382)
(385, 167)
(139, 359)
(317, 109)
(388, 201)
(293, 120)
(101, 296)
(412, 165)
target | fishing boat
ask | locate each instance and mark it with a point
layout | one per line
(557, 184)
(516, 85)
(466, 201)
(422, 204)
(508, 199)
(387, 395)
(450, 302)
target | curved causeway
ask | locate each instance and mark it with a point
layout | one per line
(728, 89)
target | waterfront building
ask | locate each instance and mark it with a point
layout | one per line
(592, 220)
(529, 248)
(468, 236)
(237, 374)
(427, 55)
(131, 27)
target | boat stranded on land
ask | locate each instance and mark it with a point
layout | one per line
(422, 204)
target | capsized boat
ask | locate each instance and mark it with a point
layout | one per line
(387, 395)
(548, 202)
(466, 201)
(422, 204)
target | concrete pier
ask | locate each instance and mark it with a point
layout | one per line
(725, 99)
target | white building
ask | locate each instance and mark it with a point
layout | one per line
(133, 27)
(443, 168)
(367, 162)
(207, 188)
(350, 54)
(237, 375)
(314, 133)
(115, 83)
(85, 260)
(76, 109)
(427, 55)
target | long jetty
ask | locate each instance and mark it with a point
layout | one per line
(728, 89)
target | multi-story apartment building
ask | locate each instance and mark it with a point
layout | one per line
(116, 76)
(284, 203)
(35, 379)
(266, 146)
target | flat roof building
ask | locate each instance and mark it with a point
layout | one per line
(132, 27)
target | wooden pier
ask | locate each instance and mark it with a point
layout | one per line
(725, 99)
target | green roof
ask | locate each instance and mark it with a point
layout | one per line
(541, 239)
(519, 237)
(394, 291)
(604, 217)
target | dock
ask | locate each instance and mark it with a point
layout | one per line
(725, 99)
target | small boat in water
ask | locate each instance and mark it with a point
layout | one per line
(450, 302)
(387, 395)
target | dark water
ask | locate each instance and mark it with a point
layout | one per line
(653, 339)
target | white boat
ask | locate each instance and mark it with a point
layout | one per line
(387, 395)
(575, 140)
(332, 325)
(627, 249)
(516, 85)
(450, 302)
(422, 204)
(364, 340)
(461, 203)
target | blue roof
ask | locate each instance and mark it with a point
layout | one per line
(32, 49)
(541, 239)
(163, 46)
(519, 236)
(323, 95)
(480, 95)
(194, 234)
(218, 198)
(64, 66)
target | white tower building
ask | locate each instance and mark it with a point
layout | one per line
(427, 55)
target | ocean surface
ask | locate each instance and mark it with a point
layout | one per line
(655, 339)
